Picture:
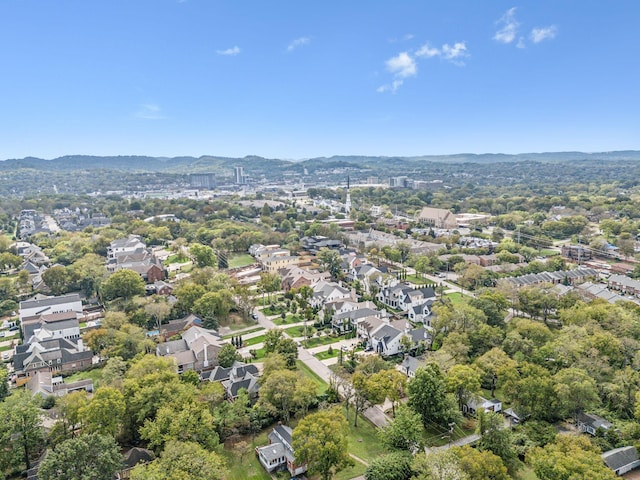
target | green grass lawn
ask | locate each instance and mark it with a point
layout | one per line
(241, 260)
(336, 351)
(94, 374)
(363, 439)
(455, 297)
(547, 252)
(351, 472)
(274, 310)
(252, 341)
(323, 340)
(290, 318)
(313, 376)
(418, 280)
(299, 330)
(250, 467)
(251, 330)
(175, 258)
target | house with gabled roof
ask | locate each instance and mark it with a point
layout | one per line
(324, 292)
(279, 454)
(197, 350)
(622, 460)
(590, 423)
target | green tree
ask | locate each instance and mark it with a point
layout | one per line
(123, 284)
(57, 278)
(104, 413)
(464, 382)
(366, 392)
(569, 458)
(182, 461)
(428, 397)
(495, 438)
(87, 457)
(190, 422)
(481, 465)
(276, 342)
(404, 432)
(439, 465)
(203, 255)
(392, 466)
(575, 391)
(228, 355)
(320, 441)
(330, 261)
(4, 385)
(21, 434)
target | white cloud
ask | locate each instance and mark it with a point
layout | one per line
(298, 42)
(229, 51)
(150, 111)
(453, 53)
(543, 33)
(390, 88)
(427, 51)
(521, 43)
(402, 65)
(459, 49)
(509, 24)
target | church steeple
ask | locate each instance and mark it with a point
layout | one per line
(347, 203)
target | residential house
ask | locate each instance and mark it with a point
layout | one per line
(159, 288)
(58, 355)
(48, 326)
(48, 305)
(45, 384)
(279, 454)
(314, 243)
(239, 376)
(622, 460)
(132, 254)
(478, 403)
(324, 292)
(570, 277)
(276, 263)
(410, 364)
(348, 320)
(132, 457)
(385, 340)
(624, 284)
(197, 350)
(175, 327)
(576, 252)
(296, 277)
(590, 423)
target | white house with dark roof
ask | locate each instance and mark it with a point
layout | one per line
(324, 292)
(590, 423)
(279, 453)
(49, 305)
(622, 460)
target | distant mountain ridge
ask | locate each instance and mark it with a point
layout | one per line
(205, 163)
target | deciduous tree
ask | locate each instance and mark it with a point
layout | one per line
(320, 441)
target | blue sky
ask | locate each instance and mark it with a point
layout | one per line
(298, 79)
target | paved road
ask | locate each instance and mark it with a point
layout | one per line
(374, 414)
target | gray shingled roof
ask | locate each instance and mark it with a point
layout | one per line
(620, 457)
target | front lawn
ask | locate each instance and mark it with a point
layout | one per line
(252, 341)
(363, 439)
(299, 331)
(290, 318)
(251, 330)
(323, 340)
